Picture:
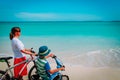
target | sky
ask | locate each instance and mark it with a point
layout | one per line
(59, 10)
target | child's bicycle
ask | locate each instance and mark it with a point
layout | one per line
(8, 74)
(34, 76)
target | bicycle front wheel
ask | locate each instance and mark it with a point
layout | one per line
(65, 77)
(3, 76)
(32, 75)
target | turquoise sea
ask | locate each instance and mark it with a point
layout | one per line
(89, 43)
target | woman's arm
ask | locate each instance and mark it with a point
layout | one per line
(26, 51)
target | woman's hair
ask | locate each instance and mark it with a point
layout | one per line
(13, 30)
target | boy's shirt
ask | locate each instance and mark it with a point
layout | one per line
(43, 67)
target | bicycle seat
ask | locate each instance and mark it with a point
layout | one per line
(5, 58)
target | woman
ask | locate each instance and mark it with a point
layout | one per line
(19, 50)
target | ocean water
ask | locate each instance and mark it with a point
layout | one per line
(82, 43)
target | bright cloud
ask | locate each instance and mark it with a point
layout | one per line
(56, 17)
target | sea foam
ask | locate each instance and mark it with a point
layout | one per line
(99, 58)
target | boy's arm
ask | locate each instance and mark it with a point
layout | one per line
(56, 70)
(51, 71)
(49, 55)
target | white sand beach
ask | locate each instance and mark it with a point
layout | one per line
(85, 73)
(76, 72)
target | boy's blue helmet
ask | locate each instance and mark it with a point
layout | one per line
(43, 51)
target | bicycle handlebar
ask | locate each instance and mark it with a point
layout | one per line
(32, 50)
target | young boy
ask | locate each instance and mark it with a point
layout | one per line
(43, 67)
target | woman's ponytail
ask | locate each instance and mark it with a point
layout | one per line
(11, 36)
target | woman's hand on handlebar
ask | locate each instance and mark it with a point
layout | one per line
(34, 54)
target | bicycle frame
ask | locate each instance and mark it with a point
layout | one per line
(27, 61)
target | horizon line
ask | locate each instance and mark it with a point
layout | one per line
(62, 21)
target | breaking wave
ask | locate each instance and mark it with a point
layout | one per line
(99, 58)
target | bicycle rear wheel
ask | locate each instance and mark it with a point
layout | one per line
(65, 77)
(32, 75)
(61, 77)
(6, 77)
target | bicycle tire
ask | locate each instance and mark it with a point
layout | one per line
(7, 77)
(32, 75)
(65, 77)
